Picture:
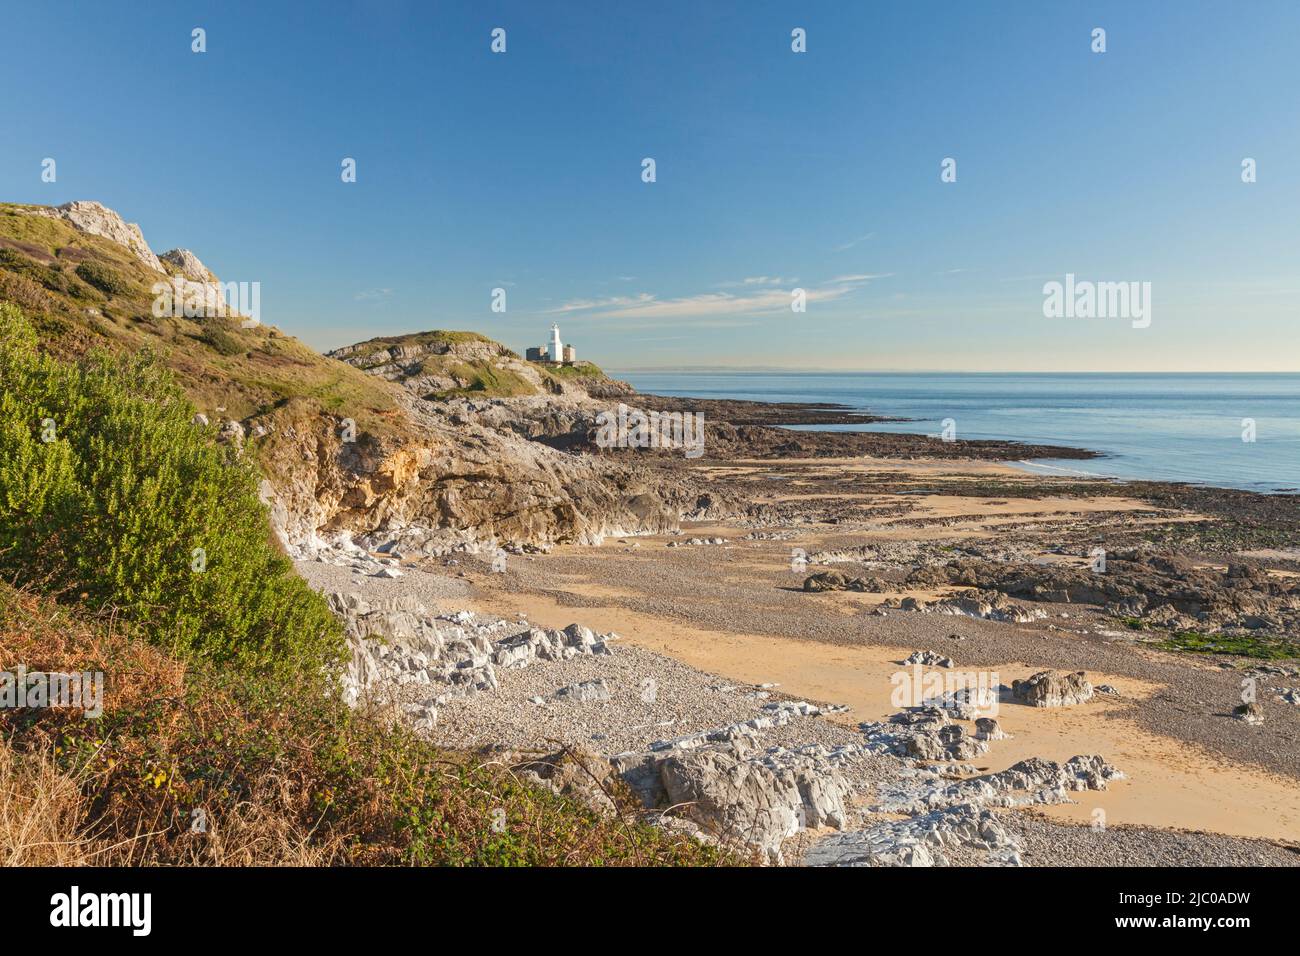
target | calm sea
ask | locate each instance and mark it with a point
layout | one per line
(1174, 427)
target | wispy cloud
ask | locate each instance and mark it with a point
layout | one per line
(758, 281)
(373, 295)
(853, 242)
(710, 305)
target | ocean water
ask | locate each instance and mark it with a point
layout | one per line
(1167, 427)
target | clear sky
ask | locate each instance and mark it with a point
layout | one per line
(775, 170)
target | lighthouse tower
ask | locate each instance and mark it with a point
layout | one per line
(556, 348)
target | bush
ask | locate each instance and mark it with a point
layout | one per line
(104, 279)
(275, 777)
(110, 495)
(223, 341)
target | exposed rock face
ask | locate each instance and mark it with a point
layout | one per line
(919, 841)
(577, 774)
(492, 485)
(188, 264)
(737, 794)
(426, 364)
(99, 220)
(1049, 689)
(949, 742)
(1027, 783)
(758, 802)
(398, 642)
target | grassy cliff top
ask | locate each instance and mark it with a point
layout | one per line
(83, 291)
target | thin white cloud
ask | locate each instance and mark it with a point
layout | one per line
(863, 277)
(373, 295)
(709, 305)
(853, 242)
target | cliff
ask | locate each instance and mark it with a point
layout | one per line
(387, 434)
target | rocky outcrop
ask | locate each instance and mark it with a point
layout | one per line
(401, 652)
(98, 220)
(451, 475)
(1049, 689)
(928, 659)
(921, 841)
(1162, 589)
(741, 799)
(985, 605)
(838, 581)
(188, 265)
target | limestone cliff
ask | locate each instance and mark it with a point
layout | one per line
(350, 443)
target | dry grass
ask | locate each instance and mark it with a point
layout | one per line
(41, 811)
(187, 767)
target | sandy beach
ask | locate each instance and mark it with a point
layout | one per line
(723, 599)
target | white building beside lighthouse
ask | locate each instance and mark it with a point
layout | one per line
(553, 351)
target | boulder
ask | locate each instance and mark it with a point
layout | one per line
(833, 581)
(1249, 712)
(584, 692)
(1049, 689)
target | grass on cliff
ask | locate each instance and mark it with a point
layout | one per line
(192, 765)
(83, 292)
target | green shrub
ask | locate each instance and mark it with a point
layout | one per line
(280, 777)
(104, 279)
(223, 341)
(130, 506)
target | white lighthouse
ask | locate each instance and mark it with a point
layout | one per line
(556, 348)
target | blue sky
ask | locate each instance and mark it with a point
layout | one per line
(775, 170)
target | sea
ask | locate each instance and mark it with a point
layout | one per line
(1231, 430)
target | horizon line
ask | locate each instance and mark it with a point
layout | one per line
(814, 370)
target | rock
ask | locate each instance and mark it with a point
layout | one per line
(188, 264)
(231, 431)
(760, 804)
(1049, 689)
(832, 581)
(578, 774)
(987, 728)
(1249, 712)
(949, 742)
(928, 659)
(584, 692)
(920, 841)
(200, 419)
(98, 220)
